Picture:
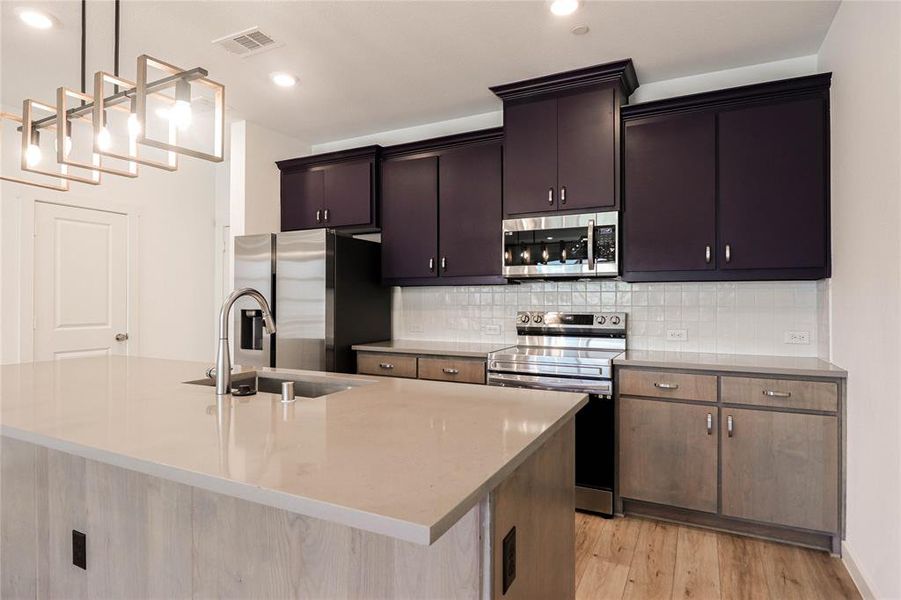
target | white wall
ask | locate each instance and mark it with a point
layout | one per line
(862, 49)
(174, 267)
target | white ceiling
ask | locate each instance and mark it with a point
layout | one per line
(373, 66)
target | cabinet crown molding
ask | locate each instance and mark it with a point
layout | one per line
(755, 92)
(621, 72)
(447, 142)
(371, 152)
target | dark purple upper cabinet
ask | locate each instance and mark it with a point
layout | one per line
(561, 139)
(743, 170)
(410, 218)
(301, 200)
(469, 214)
(530, 157)
(336, 190)
(772, 181)
(669, 207)
(348, 194)
(586, 150)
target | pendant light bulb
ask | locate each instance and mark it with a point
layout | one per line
(180, 115)
(67, 145)
(134, 126)
(32, 155)
(104, 140)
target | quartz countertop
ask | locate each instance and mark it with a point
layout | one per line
(466, 349)
(399, 457)
(798, 366)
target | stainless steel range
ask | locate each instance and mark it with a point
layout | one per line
(572, 352)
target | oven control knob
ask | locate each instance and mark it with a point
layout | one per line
(602, 319)
(524, 318)
(537, 318)
(614, 320)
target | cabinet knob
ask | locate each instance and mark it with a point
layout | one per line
(563, 195)
(550, 196)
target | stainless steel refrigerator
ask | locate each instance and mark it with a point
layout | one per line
(326, 294)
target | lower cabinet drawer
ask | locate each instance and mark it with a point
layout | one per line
(449, 369)
(781, 393)
(667, 384)
(390, 365)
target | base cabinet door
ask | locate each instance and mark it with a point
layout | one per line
(780, 468)
(668, 453)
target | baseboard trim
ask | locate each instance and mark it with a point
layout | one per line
(856, 575)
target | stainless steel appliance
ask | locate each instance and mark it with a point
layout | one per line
(562, 246)
(326, 294)
(572, 352)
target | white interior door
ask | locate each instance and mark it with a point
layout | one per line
(80, 282)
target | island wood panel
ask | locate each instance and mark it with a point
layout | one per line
(391, 365)
(452, 369)
(667, 455)
(539, 500)
(807, 395)
(781, 468)
(243, 549)
(667, 384)
(18, 519)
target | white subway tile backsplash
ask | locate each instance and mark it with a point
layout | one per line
(727, 317)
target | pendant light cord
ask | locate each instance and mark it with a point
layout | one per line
(84, 43)
(116, 44)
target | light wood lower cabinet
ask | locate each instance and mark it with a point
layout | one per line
(668, 453)
(781, 468)
(450, 368)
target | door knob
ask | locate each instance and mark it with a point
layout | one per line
(121, 337)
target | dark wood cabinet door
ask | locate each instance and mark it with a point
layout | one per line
(410, 218)
(301, 198)
(669, 212)
(469, 201)
(586, 150)
(348, 194)
(772, 186)
(530, 157)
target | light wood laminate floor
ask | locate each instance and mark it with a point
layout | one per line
(635, 558)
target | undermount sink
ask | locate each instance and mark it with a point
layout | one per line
(273, 385)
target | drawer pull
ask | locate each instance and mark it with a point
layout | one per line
(666, 386)
(775, 394)
(450, 371)
(386, 366)
(709, 423)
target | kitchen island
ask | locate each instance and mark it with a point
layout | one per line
(384, 488)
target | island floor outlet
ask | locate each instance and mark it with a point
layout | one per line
(433, 300)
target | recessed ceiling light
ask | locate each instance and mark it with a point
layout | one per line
(283, 79)
(561, 8)
(579, 30)
(35, 18)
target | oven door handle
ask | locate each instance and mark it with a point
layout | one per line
(561, 384)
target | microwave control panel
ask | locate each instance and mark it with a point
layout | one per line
(605, 243)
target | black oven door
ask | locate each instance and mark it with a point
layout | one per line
(595, 447)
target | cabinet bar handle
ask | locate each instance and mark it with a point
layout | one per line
(550, 195)
(707, 254)
(319, 216)
(444, 263)
(728, 253)
(450, 371)
(709, 423)
(666, 386)
(730, 425)
(563, 195)
(775, 394)
(432, 264)
(325, 215)
(386, 366)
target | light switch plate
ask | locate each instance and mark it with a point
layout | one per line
(796, 337)
(491, 329)
(676, 335)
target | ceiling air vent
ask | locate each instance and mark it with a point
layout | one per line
(248, 42)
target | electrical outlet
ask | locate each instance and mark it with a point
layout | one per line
(491, 330)
(676, 335)
(80, 550)
(415, 328)
(509, 560)
(797, 337)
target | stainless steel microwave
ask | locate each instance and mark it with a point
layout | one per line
(583, 245)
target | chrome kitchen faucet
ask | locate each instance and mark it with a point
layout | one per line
(223, 359)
